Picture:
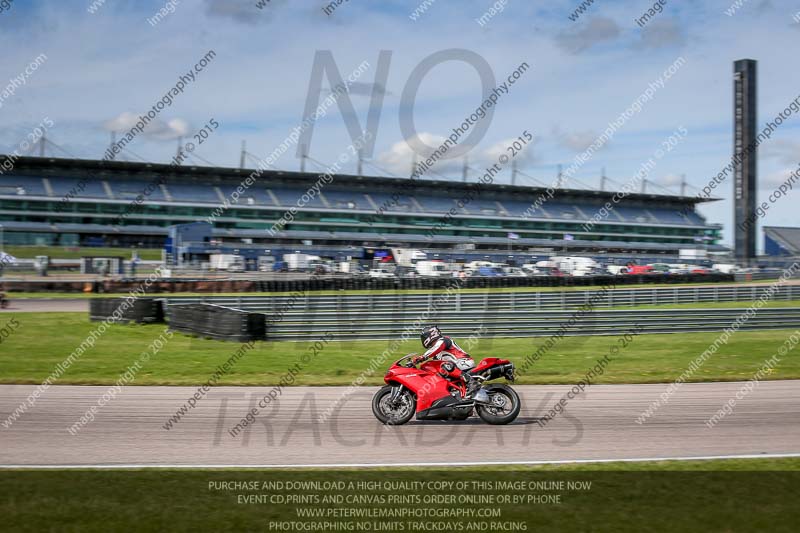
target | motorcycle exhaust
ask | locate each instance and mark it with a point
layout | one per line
(498, 371)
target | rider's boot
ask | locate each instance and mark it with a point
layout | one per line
(473, 386)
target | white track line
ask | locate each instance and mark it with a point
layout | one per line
(389, 465)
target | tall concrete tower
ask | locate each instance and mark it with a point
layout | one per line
(745, 158)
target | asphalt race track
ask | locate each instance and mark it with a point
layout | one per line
(46, 305)
(599, 424)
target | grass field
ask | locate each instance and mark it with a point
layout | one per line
(76, 252)
(752, 495)
(42, 340)
(714, 305)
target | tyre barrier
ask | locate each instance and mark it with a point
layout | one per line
(217, 322)
(143, 310)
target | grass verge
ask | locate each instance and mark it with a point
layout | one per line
(76, 252)
(43, 340)
(753, 495)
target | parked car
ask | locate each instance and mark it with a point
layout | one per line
(486, 272)
(381, 273)
(639, 269)
(661, 268)
(552, 271)
(530, 269)
(359, 271)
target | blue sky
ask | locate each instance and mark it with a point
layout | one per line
(583, 75)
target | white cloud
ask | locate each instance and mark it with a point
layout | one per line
(772, 180)
(667, 180)
(526, 155)
(400, 156)
(576, 141)
(783, 150)
(156, 129)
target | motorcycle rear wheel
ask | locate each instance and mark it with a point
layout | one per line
(395, 414)
(503, 407)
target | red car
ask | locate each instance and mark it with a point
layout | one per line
(639, 269)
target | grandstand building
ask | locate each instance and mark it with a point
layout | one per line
(781, 241)
(72, 202)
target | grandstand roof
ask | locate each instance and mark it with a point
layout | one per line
(126, 169)
(787, 238)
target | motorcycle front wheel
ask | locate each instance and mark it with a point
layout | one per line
(394, 410)
(503, 407)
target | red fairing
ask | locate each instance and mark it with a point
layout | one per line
(488, 363)
(428, 384)
(425, 382)
(439, 395)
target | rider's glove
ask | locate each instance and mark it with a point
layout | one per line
(419, 359)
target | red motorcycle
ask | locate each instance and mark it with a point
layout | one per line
(431, 396)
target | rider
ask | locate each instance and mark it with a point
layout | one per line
(457, 363)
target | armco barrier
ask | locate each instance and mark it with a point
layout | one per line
(217, 322)
(337, 282)
(424, 283)
(311, 304)
(142, 311)
(391, 325)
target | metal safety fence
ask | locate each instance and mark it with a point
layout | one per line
(464, 301)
